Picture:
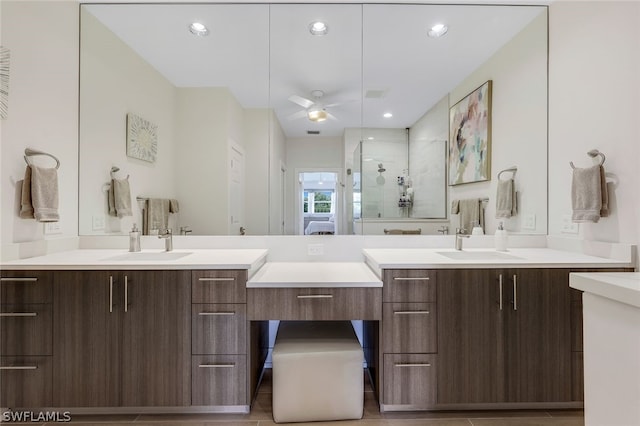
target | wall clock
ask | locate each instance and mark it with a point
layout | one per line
(142, 138)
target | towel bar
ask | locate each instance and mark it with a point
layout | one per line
(28, 152)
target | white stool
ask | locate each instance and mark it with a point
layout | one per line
(317, 372)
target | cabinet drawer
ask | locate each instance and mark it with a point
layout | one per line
(219, 328)
(219, 380)
(25, 382)
(409, 328)
(314, 303)
(222, 286)
(26, 287)
(26, 329)
(409, 285)
(410, 380)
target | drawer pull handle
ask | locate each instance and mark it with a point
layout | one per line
(411, 312)
(206, 314)
(110, 294)
(231, 365)
(412, 365)
(19, 280)
(315, 296)
(20, 367)
(217, 279)
(18, 314)
(411, 279)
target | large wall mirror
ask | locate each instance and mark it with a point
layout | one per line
(264, 123)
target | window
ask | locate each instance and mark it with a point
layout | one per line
(318, 202)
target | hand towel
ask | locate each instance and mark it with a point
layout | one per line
(604, 209)
(44, 193)
(120, 198)
(174, 206)
(26, 208)
(156, 215)
(506, 205)
(471, 211)
(586, 193)
(455, 206)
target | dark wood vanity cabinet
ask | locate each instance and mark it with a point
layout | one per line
(124, 338)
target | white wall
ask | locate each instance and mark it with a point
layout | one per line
(277, 158)
(115, 81)
(257, 167)
(519, 126)
(594, 85)
(43, 108)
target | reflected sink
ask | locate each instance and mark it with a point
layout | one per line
(477, 255)
(147, 256)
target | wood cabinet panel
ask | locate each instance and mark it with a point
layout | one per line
(26, 329)
(410, 379)
(26, 382)
(410, 328)
(218, 328)
(219, 380)
(314, 303)
(577, 376)
(409, 285)
(223, 286)
(576, 326)
(26, 287)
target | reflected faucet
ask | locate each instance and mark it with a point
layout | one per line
(460, 234)
(168, 239)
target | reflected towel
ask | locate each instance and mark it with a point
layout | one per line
(44, 193)
(26, 208)
(589, 197)
(174, 206)
(470, 211)
(506, 205)
(120, 198)
(156, 215)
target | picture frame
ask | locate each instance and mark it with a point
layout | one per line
(470, 137)
(142, 138)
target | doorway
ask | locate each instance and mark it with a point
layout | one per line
(318, 206)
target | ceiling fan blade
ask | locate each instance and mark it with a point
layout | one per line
(297, 115)
(304, 103)
(331, 116)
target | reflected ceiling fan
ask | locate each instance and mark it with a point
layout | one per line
(314, 110)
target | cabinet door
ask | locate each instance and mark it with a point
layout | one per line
(538, 336)
(156, 345)
(87, 339)
(470, 355)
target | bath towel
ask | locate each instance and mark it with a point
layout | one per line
(589, 198)
(26, 208)
(156, 215)
(120, 198)
(506, 205)
(44, 193)
(470, 211)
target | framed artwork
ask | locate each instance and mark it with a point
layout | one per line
(4, 82)
(470, 137)
(142, 138)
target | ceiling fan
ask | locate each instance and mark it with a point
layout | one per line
(314, 110)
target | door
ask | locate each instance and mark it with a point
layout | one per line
(236, 189)
(87, 324)
(156, 344)
(470, 355)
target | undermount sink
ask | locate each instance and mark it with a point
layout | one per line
(147, 256)
(477, 255)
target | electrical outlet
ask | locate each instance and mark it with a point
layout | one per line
(568, 226)
(529, 221)
(52, 228)
(98, 223)
(315, 249)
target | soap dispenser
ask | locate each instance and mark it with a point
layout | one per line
(500, 238)
(134, 239)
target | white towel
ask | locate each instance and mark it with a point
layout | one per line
(44, 193)
(587, 187)
(506, 205)
(470, 211)
(120, 198)
(156, 215)
(26, 208)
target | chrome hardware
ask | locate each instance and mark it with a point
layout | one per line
(411, 312)
(184, 230)
(215, 313)
(412, 365)
(411, 279)
(167, 236)
(18, 314)
(515, 292)
(444, 230)
(231, 365)
(460, 234)
(23, 280)
(243, 230)
(110, 294)
(126, 293)
(217, 279)
(315, 296)
(20, 367)
(500, 289)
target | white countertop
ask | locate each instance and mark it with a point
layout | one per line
(622, 287)
(484, 258)
(314, 274)
(146, 259)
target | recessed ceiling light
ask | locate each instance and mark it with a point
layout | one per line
(438, 30)
(387, 115)
(318, 28)
(198, 29)
(370, 138)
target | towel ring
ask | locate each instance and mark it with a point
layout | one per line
(512, 169)
(593, 154)
(28, 152)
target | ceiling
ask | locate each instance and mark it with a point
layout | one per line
(264, 54)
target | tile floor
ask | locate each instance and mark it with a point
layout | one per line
(261, 416)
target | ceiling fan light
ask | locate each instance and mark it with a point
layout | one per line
(317, 115)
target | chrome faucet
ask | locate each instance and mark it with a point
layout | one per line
(460, 234)
(168, 239)
(184, 230)
(444, 229)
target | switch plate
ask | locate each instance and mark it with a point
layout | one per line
(52, 228)
(315, 249)
(568, 226)
(97, 223)
(529, 221)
